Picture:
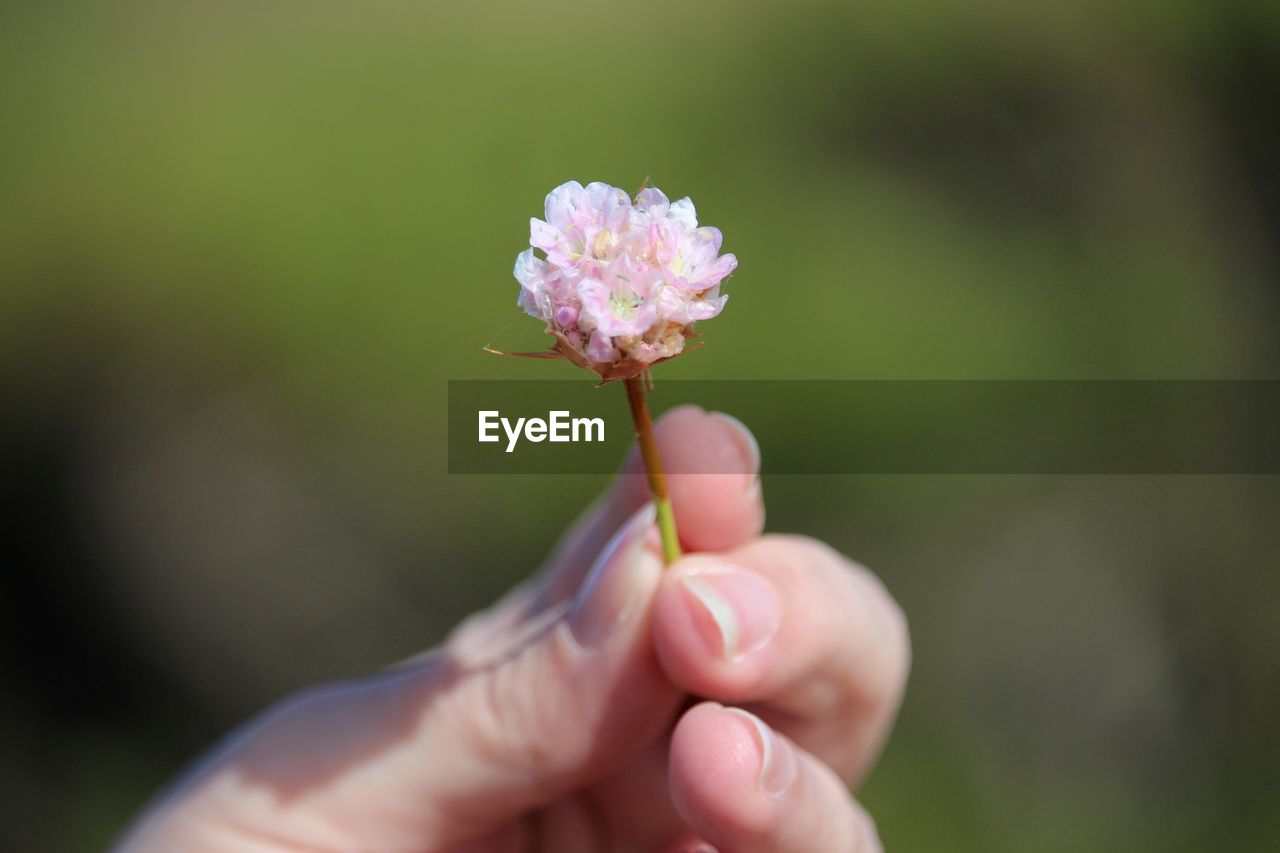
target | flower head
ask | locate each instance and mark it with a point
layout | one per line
(622, 281)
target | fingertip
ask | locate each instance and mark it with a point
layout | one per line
(739, 784)
(713, 622)
(713, 466)
(728, 771)
(868, 831)
(684, 410)
(747, 445)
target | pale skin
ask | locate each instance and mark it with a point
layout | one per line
(729, 702)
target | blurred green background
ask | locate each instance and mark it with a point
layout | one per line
(243, 245)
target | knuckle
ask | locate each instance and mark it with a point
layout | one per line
(806, 548)
(865, 833)
(898, 639)
(878, 676)
(798, 557)
(885, 662)
(892, 619)
(879, 667)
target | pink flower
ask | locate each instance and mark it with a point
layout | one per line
(620, 302)
(622, 282)
(653, 206)
(600, 348)
(683, 307)
(543, 287)
(583, 224)
(689, 255)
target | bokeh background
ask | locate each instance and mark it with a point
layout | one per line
(243, 245)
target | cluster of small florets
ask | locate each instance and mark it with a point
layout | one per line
(622, 281)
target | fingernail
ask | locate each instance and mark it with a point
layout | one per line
(743, 440)
(777, 759)
(610, 591)
(737, 611)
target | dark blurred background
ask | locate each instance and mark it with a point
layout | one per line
(243, 245)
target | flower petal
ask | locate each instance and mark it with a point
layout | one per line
(705, 309)
(528, 268)
(600, 348)
(652, 199)
(682, 211)
(562, 202)
(720, 270)
(543, 235)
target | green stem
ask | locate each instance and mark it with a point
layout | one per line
(637, 398)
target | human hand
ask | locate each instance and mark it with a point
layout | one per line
(561, 719)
